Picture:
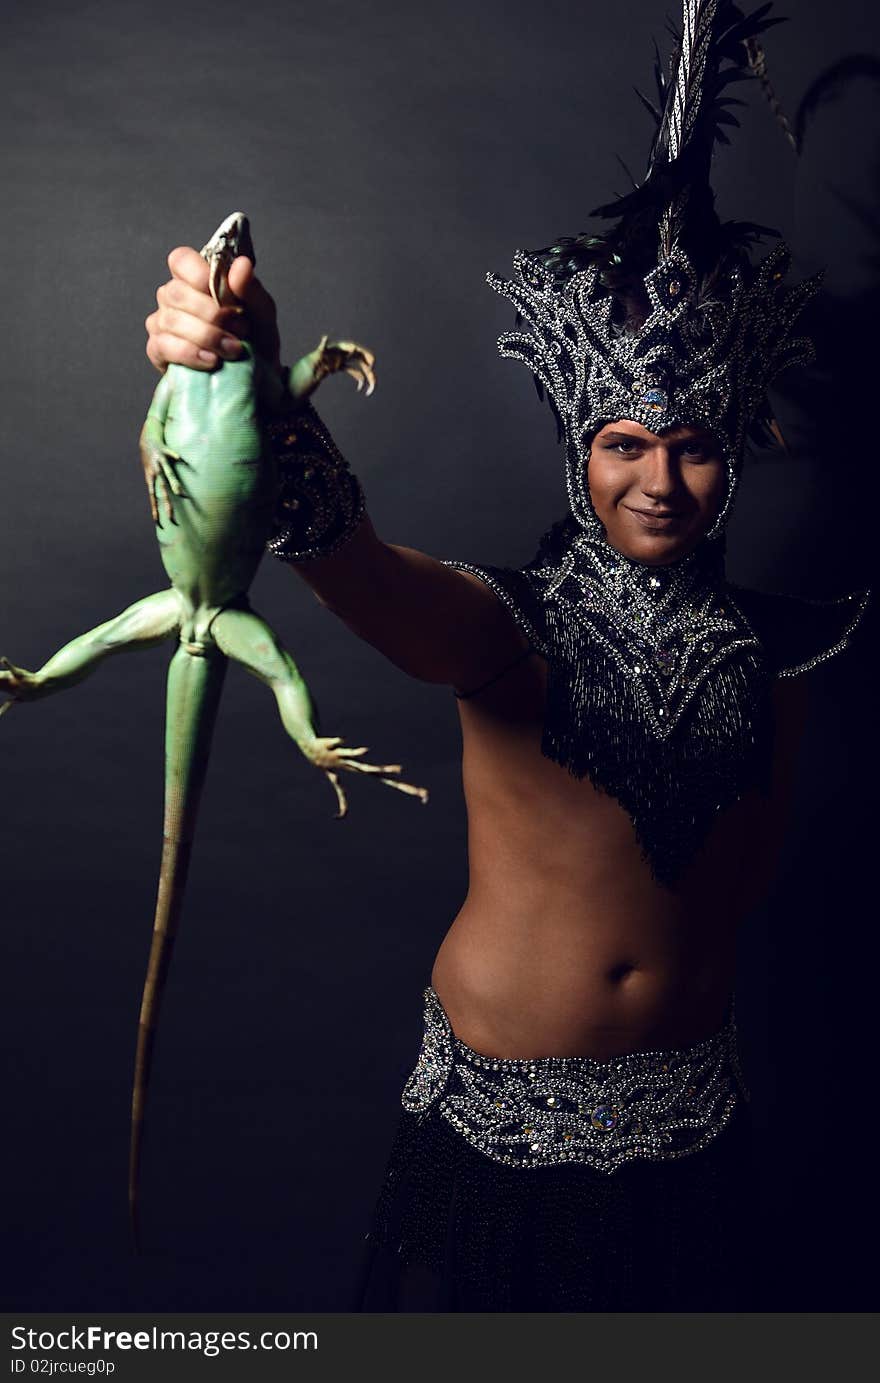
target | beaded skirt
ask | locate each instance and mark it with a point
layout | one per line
(566, 1184)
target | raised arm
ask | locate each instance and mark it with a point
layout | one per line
(436, 623)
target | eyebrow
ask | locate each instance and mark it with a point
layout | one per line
(703, 438)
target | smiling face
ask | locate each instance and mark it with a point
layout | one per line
(657, 495)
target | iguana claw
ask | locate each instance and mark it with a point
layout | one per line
(17, 682)
(11, 673)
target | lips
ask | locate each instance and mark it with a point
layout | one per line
(657, 519)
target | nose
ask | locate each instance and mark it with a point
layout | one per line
(658, 479)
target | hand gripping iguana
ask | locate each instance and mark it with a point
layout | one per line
(208, 465)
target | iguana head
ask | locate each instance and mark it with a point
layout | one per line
(231, 239)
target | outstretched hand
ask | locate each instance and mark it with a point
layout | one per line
(188, 328)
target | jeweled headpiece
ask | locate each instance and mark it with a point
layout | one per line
(665, 321)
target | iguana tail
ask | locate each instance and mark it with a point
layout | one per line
(195, 682)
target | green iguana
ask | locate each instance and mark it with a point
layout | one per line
(208, 465)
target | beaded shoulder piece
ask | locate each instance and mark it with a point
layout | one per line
(659, 678)
(799, 634)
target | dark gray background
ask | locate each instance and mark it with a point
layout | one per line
(387, 154)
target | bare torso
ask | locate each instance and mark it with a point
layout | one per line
(565, 945)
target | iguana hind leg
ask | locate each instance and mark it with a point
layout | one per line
(141, 625)
(243, 635)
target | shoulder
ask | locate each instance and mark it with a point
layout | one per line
(514, 590)
(797, 634)
(521, 590)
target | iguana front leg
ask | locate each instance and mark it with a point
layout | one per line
(328, 358)
(156, 458)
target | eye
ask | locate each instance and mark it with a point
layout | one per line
(627, 446)
(697, 451)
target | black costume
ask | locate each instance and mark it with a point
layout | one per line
(542, 1185)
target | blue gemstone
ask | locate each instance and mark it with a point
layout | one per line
(603, 1117)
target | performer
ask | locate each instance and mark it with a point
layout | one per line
(575, 1132)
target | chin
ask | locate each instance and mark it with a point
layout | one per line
(654, 551)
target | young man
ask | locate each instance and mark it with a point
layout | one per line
(575, 1134)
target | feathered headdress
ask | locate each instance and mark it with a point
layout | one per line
(664, 320)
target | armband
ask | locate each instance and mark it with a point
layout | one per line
(320, 501)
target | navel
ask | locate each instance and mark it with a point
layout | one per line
(618, 973)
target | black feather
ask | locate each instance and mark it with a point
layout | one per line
(683, 182)
(649, 106)
(626, 170)
(659, 77)
(627, 250)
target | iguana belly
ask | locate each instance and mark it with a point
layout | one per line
(214, 545)
(213, 548)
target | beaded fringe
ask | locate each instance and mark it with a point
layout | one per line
(454, 1231)
(672, 789)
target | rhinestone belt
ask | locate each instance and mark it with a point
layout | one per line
(543, 1111)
